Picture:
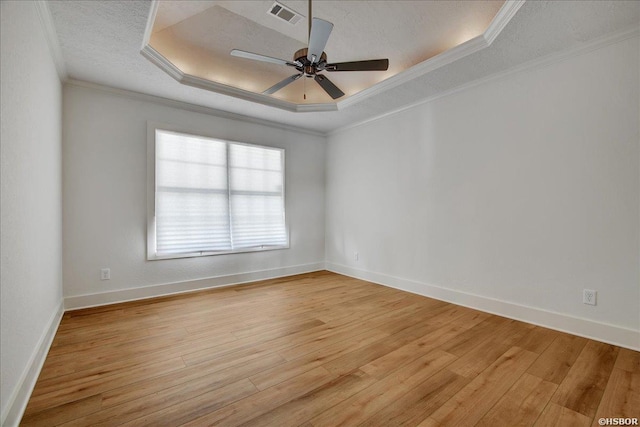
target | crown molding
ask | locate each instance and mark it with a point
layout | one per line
(259, 98)
(161, 62)
(476, 44)
(189, 107)
(187, 79)
(50, 34)
(502, 18)
(447, 57)
(148, 29)
(617, 37)
(499, 22)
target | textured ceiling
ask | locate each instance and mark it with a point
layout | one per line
(101, 42)
(197, 37)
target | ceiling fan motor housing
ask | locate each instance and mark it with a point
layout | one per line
(307, 67)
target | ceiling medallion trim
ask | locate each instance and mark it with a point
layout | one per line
(499, 22)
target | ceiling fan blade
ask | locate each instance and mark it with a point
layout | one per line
(263, 58)
(369, 65)
(320, 31)
(273, 89)
(328, 86)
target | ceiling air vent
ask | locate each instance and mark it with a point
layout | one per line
(283, 12)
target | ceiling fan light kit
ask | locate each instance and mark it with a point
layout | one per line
(311, 61)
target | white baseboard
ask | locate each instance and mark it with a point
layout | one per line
(94, 300)
(611, 334)
(22, 393)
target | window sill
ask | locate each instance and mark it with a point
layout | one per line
(155, 257)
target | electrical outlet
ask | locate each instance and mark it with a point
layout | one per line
(105, 274)
(589, 296)
(356, 256)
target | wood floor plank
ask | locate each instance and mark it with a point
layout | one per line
(99, 373)
(80, 388)
(556, 360)
(290, 325)
(582, 388)
(628, 360)
(294, 367)
(401, 335)
(555, 415)
(322, 349)
(381, 366)
(621, 397)
(388, 323)
(72, 362)
(369, 401)
(469, 405)
(317, 401)
(155, 399)
(180, 384)
(419, 402)
(364, 307)
(429, 422)
(202, 404)
(538, 339)
(522, 404)
(475, 336)
(481, 356)
(90, 341)
(264, 401)
(59, 414)
(275, 340)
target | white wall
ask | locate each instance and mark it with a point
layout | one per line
(511, 196)
(104, 211)
(30, 202)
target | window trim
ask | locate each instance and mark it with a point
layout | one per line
(151, 192)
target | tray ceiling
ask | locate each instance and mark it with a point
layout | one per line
(194, 38)
(100, 44)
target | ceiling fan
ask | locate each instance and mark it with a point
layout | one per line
(311, 61)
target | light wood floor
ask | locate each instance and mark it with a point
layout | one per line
(323, 350)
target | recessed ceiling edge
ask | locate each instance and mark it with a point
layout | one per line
(499, 22)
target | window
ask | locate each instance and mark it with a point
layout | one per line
(213, 196)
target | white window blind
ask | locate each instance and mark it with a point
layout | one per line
(256, 179)
(214, 196)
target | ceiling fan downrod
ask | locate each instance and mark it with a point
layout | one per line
(310, 18)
